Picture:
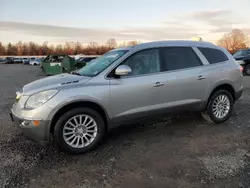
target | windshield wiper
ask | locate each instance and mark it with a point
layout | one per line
(76, 73)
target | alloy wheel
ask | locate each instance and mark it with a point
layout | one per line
(80, 131)
(221, 106)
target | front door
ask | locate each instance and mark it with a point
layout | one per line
(136, 95)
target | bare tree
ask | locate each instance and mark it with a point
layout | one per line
(69, 48)
(59, 49)
(19, 47)
(11, 49)
(111, 43)
(51, 49)
(123, 44)
(234, 40)
(133, 43)
(45, 48)
(2, 49)
(33, 49)
(92, 45)
(78, 48)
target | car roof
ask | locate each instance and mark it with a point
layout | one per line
(176, 43)
(169, 43)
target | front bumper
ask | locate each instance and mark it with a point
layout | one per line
(40, 133)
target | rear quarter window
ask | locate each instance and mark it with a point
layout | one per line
(177, 58)
(213, 55)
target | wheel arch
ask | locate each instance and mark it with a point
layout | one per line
(225, 86)
(77, 104)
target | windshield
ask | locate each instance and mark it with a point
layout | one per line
(98, 65)
(241, 53)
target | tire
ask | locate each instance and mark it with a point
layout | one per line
(210, 116)
(61, 126)
(35, 64)
(247, 70)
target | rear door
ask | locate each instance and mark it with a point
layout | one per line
(185, 80)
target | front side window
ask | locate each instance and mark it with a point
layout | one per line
(98, 65)
(213, 55)
(176, 58)
(144, 62)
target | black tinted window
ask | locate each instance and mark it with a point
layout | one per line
(175, 58)
(213, 55)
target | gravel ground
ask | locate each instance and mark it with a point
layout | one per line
(180, 151)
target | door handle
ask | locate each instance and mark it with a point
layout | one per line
(201, 77)
(158, 84)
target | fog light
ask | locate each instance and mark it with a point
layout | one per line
(25, 123)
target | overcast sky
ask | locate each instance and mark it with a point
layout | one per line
(59, 21)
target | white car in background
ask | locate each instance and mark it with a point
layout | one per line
(17, 60)
(36, 61)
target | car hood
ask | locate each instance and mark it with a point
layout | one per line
(53, 82)
(242, 58)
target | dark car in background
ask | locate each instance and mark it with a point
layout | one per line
(243, 58)
(9, 60)
(26, 61)
(81, 62)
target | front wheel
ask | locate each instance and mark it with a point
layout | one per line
(219, 108)
(79, 130)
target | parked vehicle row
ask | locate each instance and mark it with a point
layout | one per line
(36, 61)
(243, 58)
(80, 61)
(129, 85)
(24, 60)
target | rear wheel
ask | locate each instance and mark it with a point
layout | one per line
(247, 70)
(219, 108)
(79, 130)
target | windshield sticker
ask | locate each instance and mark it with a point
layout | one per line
(112, 56)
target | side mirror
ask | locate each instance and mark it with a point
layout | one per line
(122, 70)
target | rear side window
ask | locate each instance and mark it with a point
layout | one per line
(213, 55)
(175, 58)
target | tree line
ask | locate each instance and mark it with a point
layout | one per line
(232, 41)
(70, 48)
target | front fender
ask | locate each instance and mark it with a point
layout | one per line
(75, 99)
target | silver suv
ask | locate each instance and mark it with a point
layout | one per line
(128, 85)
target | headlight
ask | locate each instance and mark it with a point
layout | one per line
(39, 99)
(241, 62)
